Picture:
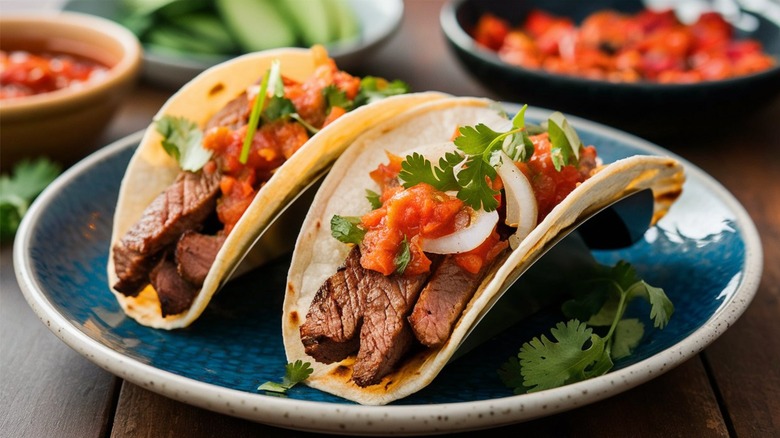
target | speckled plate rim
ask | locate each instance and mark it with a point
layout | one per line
(402, 419)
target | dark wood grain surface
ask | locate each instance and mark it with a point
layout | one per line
(730, 389)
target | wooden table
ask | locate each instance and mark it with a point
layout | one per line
(730, 389)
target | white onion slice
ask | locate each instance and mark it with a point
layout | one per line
(465, 239)
(521, 208)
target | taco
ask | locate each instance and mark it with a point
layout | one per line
(420, 226)
(225, 155)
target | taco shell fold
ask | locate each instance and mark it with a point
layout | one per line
(318, 255)
(151, 170)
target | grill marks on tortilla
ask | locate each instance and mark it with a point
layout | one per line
(382, 318)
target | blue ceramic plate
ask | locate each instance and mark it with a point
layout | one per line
(705, 253)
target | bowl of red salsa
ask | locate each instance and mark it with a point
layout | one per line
(62, 77)
(641, 66)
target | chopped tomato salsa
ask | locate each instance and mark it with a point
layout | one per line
(608, 45)
(274, 142)
(26, 74)
(551, 186)
(412, 214)
(422, 212)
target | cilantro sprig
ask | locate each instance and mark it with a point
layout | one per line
(346, 229)
(478, 147)
(183, 140)
(295, 373)
(576, 352)
(17, 191)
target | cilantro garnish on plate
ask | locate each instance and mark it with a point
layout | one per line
(576, 352)
(18, 190)
(295, 373)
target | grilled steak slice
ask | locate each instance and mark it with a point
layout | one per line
(183, 206)
(360, 309)
(385, 336)
(195, 253)
(330, 332)
(133, 269)
(175, 293)
(442, 301)
(233, 115)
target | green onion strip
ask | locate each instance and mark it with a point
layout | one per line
(254, 118)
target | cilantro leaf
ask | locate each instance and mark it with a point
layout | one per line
(511, 375)
(565, 141)
(295, 373)
(403, 257)
(278, 108)
(416, 169)
(628, 333)
(661, 306)
(475, 188)
(373, 89)
(17, 191)
(374, 199)
(183, 141)
(547, 364)
(336, 97)
(346, 229)
(475, 140)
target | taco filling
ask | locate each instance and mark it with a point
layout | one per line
(223, 166)
(433, 235)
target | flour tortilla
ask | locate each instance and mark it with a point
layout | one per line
(151, 170)
(317, 254)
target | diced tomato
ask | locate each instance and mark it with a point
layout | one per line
(473, 261)
(335, 113)
(420, 211)
(609, 45)
(26, 74)
(551, 186)
(490, 31)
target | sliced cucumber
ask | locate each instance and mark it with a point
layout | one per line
(311, 20)
(167, 38)
(207, 28)
(345, 21)
(256, 24)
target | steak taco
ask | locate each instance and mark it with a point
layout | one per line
(225, 155)
(419, 227)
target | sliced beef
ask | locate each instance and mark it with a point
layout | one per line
(358, 309)
(442, 301)
(132, 268)
(175, 293)
(330, 332)
(233, 115)
(385, 336)
(183, 206)
(195, 253)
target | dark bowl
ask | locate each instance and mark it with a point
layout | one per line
(645, 108)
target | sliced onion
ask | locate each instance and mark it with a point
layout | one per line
(465, 239)
(521, 208)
